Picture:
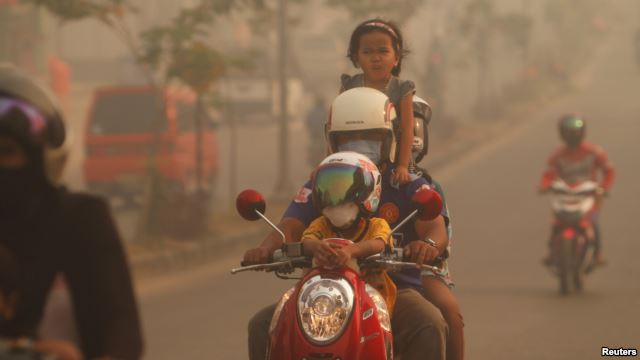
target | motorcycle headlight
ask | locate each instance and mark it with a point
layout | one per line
(381, 306)
(324, 308)
(278, 310)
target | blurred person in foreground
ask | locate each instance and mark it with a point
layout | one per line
(574, 162)
(11, 284)
(51, 230)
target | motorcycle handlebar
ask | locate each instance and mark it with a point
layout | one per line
(289, 263)
(391, 260)
(394, 263)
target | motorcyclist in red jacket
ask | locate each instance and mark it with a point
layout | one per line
(577, 161)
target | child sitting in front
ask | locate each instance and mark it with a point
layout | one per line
(346, 190)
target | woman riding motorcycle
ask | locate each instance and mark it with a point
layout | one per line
(361, 121)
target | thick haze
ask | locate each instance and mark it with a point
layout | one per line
(498, 75)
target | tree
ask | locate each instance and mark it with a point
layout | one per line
(175, 52)
(480, 25)
(180, 52)
(574, 32)
(111, 13)
(398, 10)
(516, 29)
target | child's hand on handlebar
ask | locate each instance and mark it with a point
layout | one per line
(322, 252)
(343, 256)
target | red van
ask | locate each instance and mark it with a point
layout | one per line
(125, 124)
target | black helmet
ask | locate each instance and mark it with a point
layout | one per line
(422, 118)
(30, 113)
(572, 129)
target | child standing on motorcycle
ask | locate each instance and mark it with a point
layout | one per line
(376, 46)
(346, 191)
(575, 162)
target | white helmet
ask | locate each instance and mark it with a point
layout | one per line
(345, 177)
(40, 124)
(363, 109)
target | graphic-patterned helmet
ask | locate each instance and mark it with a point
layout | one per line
(345, 177)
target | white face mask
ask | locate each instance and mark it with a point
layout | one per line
(341, 216)
(368, 148)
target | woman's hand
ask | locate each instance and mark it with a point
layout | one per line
(259, 255)
(420, 252)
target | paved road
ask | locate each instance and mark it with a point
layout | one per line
(510, 303)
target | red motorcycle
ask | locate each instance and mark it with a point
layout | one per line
(331, 313)
(573, 231)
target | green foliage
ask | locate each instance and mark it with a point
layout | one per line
(197, 67)
(222, 7)
(573, 22)
(180, 49)
(516, 29)
(397, 10)
(72, 10)
(479, 15)
(480, 23)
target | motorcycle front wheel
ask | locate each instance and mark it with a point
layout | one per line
(564, 263)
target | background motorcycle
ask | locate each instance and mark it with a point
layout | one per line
(572, 230)
(331, 313)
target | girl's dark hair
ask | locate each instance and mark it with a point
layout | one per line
(384, 26)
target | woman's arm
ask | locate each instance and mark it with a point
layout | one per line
(422, 252)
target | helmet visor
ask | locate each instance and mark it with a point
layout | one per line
(572, 135)
(13, 112)
(339, 184)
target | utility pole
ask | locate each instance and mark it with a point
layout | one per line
(283, 182)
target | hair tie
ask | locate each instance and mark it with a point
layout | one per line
(383, 26)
